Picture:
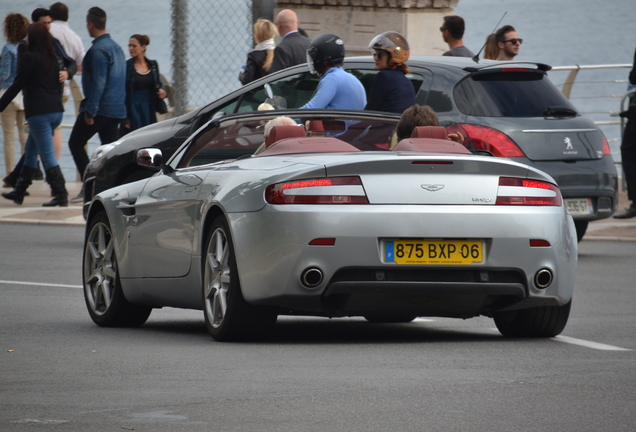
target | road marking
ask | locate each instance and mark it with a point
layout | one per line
(40, 284)
(589, 344)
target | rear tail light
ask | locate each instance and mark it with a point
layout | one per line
(337, 190)
(493, 140)
(606, 147)
(517, 191)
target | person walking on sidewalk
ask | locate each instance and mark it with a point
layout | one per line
(628, 148)
(104, 85)
(15, 28)
(38, 77)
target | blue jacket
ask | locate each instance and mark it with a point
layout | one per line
(338, 90)
(8, 65)
(104, 79)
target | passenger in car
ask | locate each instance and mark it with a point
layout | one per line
(277, 121)
(418, 115)
(337, 89)
(391, 90)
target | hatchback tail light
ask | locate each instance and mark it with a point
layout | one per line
(337, 190)
(517, 191)
(606, 147)
(493, 140)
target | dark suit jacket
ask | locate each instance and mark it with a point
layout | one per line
(291, 50)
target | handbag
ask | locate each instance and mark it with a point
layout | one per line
(161, 106)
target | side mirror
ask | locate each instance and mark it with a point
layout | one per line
(149, 157)
(268, 91)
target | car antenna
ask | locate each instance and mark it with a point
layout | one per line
(476, 58)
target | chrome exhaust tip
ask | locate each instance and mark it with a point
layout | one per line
(311, 277)
(543, 278)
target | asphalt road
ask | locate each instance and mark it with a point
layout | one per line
(58, 371)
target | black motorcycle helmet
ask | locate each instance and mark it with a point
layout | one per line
(325, 50)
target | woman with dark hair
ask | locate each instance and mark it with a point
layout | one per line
(38, 77)
(143, 86)
(15, 30)
(391, 90)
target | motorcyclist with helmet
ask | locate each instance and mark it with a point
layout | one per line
(337, 89)
(391, 90)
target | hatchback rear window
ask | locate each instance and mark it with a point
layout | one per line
(508, 94)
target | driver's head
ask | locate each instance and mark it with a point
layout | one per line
(278, 121)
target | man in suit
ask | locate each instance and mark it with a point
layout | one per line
(292, 48)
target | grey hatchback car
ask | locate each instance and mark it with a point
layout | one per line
(510, 109)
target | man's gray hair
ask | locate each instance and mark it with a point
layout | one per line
(278, 121)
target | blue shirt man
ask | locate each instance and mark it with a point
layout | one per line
(338, 90)
(104, 79)
(104, 84)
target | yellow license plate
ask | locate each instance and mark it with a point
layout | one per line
(434, 252)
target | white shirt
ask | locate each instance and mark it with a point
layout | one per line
(71, 43)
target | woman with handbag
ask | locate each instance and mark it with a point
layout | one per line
(144, 91)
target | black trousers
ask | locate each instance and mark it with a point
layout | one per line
(628, 157)
(106, 127)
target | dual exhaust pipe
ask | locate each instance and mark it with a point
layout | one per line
(313, 276)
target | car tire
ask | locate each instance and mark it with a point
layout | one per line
(228, 317)
(581, 227)
(541, 321)
(103, 294)
(389, 320)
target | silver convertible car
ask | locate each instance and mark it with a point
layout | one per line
(330, 218)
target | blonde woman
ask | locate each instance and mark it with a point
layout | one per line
(259, 60)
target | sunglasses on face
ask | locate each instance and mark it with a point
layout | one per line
(378, 54)
(514, 41)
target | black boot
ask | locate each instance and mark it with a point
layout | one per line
(22, 183)
(55, 178)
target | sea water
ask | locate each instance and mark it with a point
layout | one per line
(556, 32)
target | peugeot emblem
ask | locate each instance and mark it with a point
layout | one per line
(568, 143)
(432, 187)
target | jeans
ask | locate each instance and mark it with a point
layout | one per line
(11, 118)
(40, 140)
(106, 127)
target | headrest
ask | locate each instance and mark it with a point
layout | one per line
(308, 145)
(315, 125)
(281, 132)
(431, 145)
(438, 132)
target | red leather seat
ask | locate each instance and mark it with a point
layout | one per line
(431, 145)
(308, 145)
(281, 132)
(438, 132)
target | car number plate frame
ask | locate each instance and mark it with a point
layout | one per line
(434, 252)
(579, 206)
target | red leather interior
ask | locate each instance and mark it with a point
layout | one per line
(281, 132)
(308, 145)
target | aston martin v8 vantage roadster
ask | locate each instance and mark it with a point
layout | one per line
(329, 217)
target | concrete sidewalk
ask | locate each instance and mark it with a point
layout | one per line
(31, 211)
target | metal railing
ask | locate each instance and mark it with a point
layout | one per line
(597, 95)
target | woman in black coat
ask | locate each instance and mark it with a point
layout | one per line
(260, 59)
(144, 89)
(38, 77)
